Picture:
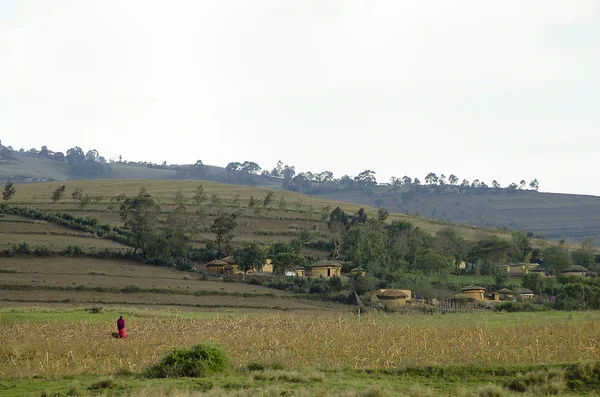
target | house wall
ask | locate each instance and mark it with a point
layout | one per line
(325, 271)
(300, 272)
(218, 269)
(398, 302)
(576, 274)
(476, 294)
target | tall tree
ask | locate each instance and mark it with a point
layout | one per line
(9, 191)
(58, 193)
(223, 227)
(535, 185)
(431, 178)
(556, 258)
(139, 214)
(250, 257)
(453, 179)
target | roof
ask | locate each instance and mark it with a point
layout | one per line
(391, 294)
(472, 288)
(575, 268)
(217, 262)
(326, 264)
(358, 269)
(229, 260)
(300, 268)
(524, 291)
(505, 291)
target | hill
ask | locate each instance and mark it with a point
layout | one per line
(547, 215)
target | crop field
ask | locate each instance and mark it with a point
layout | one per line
(39, 344)
(271, 224)
(87, 282)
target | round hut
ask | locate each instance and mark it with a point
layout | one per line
(216, 267)
(505, 294)
(473, 291)
(575, 270)
(524, 294)
(300, 271)
(393, 297)
(326, 269)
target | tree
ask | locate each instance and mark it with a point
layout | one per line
(223, 227)
(382, 214)
(282, 204)
(465, 183)
(338, 225)
(59, 156)
(58, 193)
(199, 196)
(556, 258)
(522, 184)
(75, 156)
(534, 184)
(277, 172)
(453, 179)
(9, 191)
(84, 200)
(285, 261)
(77, 194)
(252, 202)
(139, 214)
(431, 178)
(431, 262)
(442, 179)
(269, 197)
(406, 180)
(495, 184)
(476, 184)
(249, 257)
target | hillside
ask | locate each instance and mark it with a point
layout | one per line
(549, 215)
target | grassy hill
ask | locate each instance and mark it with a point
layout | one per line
(264, 225)
(551, 215)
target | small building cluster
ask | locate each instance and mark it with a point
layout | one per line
(474, 293)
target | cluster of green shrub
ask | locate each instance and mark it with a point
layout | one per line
(87, 224)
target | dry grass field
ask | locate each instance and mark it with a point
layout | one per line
(58, 348)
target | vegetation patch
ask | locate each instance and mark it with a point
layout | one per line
(197, 361)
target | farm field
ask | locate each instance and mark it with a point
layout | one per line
(88, 282)
(342, 354)
(269, 225)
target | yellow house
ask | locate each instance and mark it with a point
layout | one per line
(505, 294)
(519, 269)
(326, 269)
(575, 270)
(524, 294)
(473, 291)
(216, 267)
(393, 297)
(267, 267)
(300, 272)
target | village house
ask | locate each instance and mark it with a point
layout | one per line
(473, 291)
(505, 294)
(325, 268)
(524, 294)
(267, 267)
(216, 267)
(393, 297)
(519, 269)
(300, 271)
(575, 271)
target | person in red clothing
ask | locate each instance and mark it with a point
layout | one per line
(121, 328)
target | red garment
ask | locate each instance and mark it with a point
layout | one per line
(120, 324)
(123, 333)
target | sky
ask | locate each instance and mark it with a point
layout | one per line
(503, 90)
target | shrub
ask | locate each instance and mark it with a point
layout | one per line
(103, 384)
(512, 307)
(539, 382)
(584, 376)
(197, 361)
(491, 391)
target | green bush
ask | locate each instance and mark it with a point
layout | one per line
(584, 376)
(197, 361)
(546, 382)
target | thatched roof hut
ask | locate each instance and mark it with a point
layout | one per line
(393, 297)
(575, 270)
(325, 268)
(216, 267)
(473, 291)
(524, 293)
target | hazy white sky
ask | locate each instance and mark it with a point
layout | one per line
(504, 90)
